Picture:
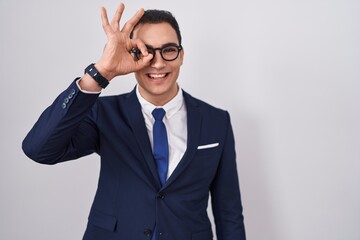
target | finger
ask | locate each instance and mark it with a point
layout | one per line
(137, 43)
(105, 20)
(143, 62)
(129, 25)
(115, 22)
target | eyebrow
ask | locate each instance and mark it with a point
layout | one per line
(164, 45)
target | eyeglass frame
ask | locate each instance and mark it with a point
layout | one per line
(136, 51)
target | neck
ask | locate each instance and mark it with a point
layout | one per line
(159, 99)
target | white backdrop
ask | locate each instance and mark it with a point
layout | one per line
(288, 72)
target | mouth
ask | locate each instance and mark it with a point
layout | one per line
(157, 76)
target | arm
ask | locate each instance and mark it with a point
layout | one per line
(225, 194)
(63, 131)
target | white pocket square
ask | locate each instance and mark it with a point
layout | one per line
(212, 145)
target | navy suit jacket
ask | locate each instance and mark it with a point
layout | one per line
(129, 199)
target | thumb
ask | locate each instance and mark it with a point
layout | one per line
(144, 61)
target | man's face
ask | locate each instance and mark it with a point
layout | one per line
(157, 82)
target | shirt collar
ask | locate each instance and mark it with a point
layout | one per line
(172, 107)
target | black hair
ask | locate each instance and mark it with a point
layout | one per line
(159, 16)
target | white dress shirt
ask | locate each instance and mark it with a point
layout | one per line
(175, 121)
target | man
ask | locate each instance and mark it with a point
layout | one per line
(156, 172)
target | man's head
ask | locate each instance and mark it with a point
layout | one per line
(158, 30)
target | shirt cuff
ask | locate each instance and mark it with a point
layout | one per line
(84, 91)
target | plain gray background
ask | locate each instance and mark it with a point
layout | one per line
(287, 71)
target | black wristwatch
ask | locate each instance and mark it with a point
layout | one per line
(94, 73)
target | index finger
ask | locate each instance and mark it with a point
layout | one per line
(116, 20)
(130, 24)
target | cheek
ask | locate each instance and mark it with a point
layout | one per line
(176, 65)
(177, 69)
(139, 75)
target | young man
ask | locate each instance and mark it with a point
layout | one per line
(156, 172)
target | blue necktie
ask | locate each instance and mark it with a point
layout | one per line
(161, 146)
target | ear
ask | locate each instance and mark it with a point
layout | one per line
(182, 55)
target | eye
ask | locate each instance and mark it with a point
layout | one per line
(136, 53)
(169, 50)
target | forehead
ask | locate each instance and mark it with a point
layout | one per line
(155, 34)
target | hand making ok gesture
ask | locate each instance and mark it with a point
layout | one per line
(117, 58)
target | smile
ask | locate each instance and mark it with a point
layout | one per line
(157, 75)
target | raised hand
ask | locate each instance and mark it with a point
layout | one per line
(116, 59)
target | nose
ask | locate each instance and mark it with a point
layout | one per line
(157, 62)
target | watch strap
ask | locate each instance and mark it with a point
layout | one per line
(94, 73)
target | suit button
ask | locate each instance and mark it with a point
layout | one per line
(63, 105)
(66, 100)
(147, 232)
(161, 196)
(71, 93)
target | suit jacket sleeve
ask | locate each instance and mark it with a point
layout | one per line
(225, 193)
(65, 130)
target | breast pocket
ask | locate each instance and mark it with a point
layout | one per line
(205, 163)
(211, 149)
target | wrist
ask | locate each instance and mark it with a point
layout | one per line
(87, 83)
(94, 73)
(106, 74)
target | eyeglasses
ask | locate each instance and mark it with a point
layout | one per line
(169, 52)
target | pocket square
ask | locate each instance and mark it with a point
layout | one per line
(212, 145)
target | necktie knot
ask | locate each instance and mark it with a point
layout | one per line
(158, 113)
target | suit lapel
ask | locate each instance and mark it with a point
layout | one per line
(132, 110)
(194, 128)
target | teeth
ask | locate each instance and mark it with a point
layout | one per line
(157, 75)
